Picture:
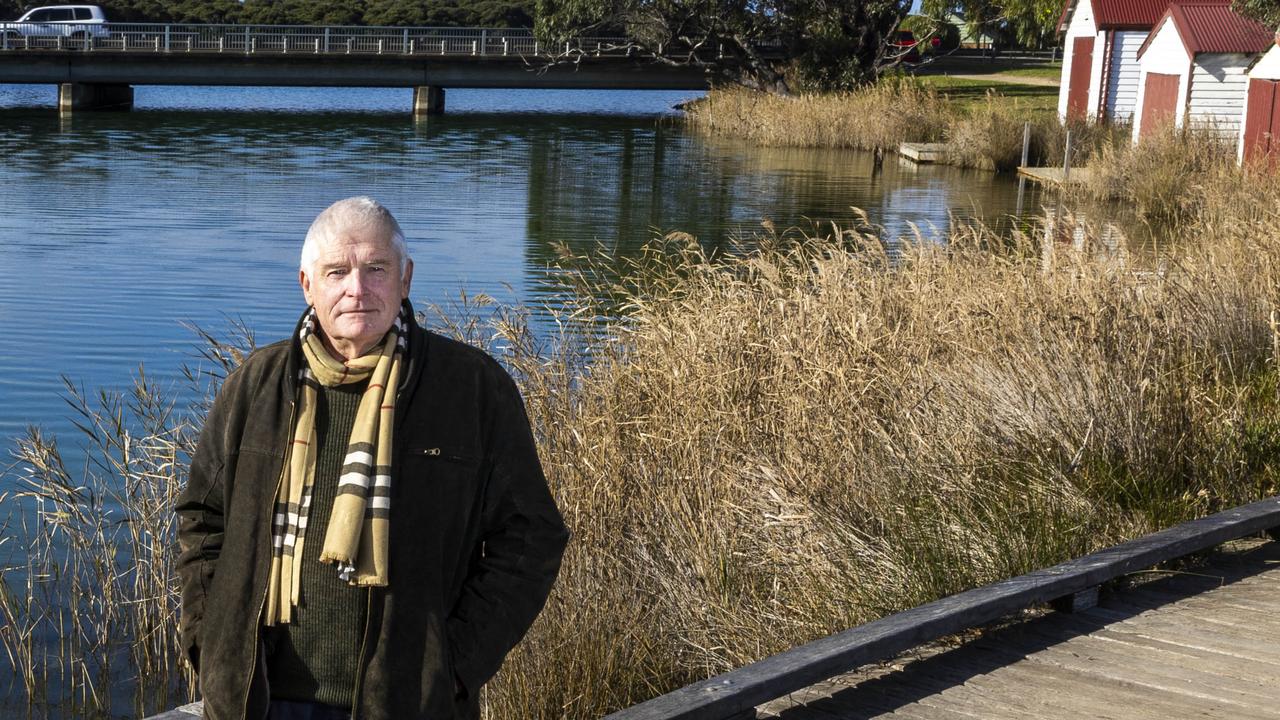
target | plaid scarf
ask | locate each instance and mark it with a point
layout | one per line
(356, 541)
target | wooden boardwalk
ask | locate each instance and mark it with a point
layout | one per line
(1204, 643)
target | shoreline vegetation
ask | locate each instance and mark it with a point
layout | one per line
(1162, 180)
(762, 447)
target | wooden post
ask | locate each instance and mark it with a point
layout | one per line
(1077, 602)
(326, 40)
(167, 47)
(1026, 142)
(1066, 160)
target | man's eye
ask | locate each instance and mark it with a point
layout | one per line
(336, 273)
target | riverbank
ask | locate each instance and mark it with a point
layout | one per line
(771, 446)
(982, 127)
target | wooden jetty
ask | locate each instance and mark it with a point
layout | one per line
(1055, 175)
(1170, 650)
(924, 152)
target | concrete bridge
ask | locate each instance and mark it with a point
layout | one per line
(95, 71)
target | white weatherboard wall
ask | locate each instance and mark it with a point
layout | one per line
(1218, 88)
(1082, 25)
(1268, 68)
(1166, 54)
(1122, 85)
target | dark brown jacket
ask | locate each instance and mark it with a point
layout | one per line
(475, 541)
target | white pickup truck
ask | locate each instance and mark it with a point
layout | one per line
(78, 22)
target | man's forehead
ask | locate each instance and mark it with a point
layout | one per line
(345, 244)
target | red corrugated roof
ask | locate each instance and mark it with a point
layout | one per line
(1211, 26)
(1121, 14)
(1129, 14)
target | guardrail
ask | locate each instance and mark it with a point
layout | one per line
(299, 40)
(1070, 584)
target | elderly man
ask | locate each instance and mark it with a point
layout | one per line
(366, 531)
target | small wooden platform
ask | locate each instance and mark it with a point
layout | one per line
(1203, 644)
(1054, 175)
(924, 152)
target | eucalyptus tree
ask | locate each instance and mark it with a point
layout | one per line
(1265, 11)
(774, 45)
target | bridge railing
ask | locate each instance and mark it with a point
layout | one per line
(297, 40)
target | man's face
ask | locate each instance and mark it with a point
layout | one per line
(356, 286)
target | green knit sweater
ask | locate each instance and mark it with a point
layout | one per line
(314, 658)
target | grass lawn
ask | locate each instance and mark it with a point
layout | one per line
(971, 91)
(1048, 71)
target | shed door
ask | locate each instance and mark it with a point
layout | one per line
(1078, 83)
(1159, 102)
(1262, 123)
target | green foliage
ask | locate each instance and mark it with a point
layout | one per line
(1266, 12)
(1026, 23)
(770, 44)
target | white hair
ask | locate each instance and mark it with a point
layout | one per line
(354, 212)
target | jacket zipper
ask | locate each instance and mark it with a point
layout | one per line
(364, 639)
(262, 603)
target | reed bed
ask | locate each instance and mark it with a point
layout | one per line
(882, 116)
(772, 445)
(1169, 176)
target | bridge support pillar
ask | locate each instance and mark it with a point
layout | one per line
(94, 96)
(428, 100)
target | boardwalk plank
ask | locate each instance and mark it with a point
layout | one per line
(1209, 662)
(1062, 693)
(1158, 670)
(1080, 690)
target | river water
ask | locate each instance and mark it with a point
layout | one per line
(119, 228)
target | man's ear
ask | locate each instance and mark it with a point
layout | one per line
(305, 282)
(406, 280)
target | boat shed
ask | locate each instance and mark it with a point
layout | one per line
(1192, 67)
(1100, 56)
(1260, 131)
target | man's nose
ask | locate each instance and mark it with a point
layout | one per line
(355, 283)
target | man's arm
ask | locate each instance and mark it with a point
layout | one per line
(200, 525)
(524, 538)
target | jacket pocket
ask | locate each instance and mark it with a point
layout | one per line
(445, 453)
